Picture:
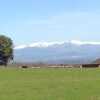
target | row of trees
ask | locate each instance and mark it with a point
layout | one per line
(6, 50)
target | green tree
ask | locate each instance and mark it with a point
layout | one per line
(6, 47)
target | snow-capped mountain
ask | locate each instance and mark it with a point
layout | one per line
(69, 52)
(47, 44)
(39, 45)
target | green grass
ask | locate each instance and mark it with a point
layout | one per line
(49, 84)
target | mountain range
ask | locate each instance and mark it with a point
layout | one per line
(70, 52)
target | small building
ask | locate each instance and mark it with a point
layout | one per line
(90, 65)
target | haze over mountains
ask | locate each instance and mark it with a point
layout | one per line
(70, 52)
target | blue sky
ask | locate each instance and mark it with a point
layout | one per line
(27, 21)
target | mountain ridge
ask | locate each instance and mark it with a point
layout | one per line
(72, 52)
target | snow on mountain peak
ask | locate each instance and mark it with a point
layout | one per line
(39, 44)
(84, 42)
(20, 46)
(47, 44)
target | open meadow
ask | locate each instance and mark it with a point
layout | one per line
(49, 84)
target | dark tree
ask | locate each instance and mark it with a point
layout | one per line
(6, 50)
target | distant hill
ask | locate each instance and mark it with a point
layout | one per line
(97, 61)
(72, 52)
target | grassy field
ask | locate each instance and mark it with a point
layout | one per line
(49, 84)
